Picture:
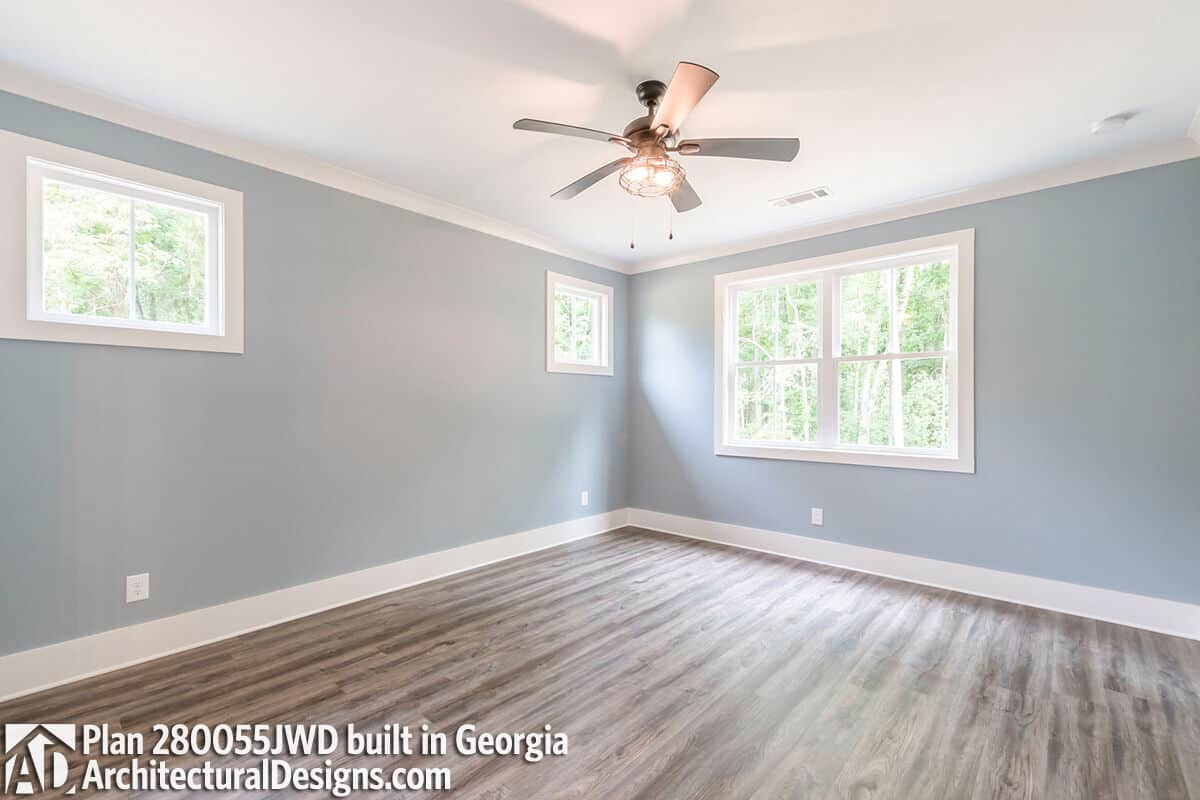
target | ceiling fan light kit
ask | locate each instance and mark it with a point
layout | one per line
(651, 171)
(651, 176)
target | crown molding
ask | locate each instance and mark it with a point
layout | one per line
(1140, 158)
(73, 98)
(17, 80)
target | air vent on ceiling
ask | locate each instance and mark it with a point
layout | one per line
(801, 197)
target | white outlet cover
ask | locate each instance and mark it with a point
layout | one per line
(818, 516)
(137, 587)
(583, 498)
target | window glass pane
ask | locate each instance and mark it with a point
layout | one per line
(564, 349)
(925, 400)
(777, 403)
(754, 403)
(923, 306)
(798, 386)
(584, 330)
(779, 322)
(85, 251)
(576, 327)
(864, 403)
(864, 313)
(171, 258)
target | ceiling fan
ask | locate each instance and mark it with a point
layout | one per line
(651, 171)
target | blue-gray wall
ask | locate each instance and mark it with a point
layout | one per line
(392, 401)
(360, 427)
(1087, 365)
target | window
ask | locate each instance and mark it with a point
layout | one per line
(578, 326)
(120, 254)
(857, 358)
(114, 253)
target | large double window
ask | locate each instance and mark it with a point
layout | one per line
(857, 358)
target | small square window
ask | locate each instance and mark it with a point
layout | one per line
(578, 326)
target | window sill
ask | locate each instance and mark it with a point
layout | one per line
(77, 332)
(580, 369)
(865, 458)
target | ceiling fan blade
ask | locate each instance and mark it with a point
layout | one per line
(685, 198)
(593, 177)
(541, 126)
(763, 149)
(688, 85)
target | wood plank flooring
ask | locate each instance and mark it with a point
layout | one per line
(682, 669)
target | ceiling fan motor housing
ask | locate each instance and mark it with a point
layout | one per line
(640, 135)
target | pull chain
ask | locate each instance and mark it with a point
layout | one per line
(670, 222)
(632, 222)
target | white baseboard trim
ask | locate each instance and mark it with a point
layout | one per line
(46, 667)
(1139, 611)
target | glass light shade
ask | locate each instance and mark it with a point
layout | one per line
(651, 176)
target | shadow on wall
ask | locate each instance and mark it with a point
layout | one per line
(573, 459)
(667, 402)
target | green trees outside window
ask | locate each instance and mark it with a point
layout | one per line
(105, 255)
(891, 328)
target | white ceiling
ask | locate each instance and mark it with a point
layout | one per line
(891, 101)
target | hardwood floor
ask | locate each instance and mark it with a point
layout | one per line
(682, 669)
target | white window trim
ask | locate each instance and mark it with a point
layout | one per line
(961, 456)
(24, 162)
(601, 292)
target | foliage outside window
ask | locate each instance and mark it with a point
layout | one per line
(576, 327)
(117, 254)
(860, 358)
(579, 326)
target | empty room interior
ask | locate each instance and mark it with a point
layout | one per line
(528, 400)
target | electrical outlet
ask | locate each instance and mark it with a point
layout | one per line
(583, 498)
(818, 516)
(137, 587)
